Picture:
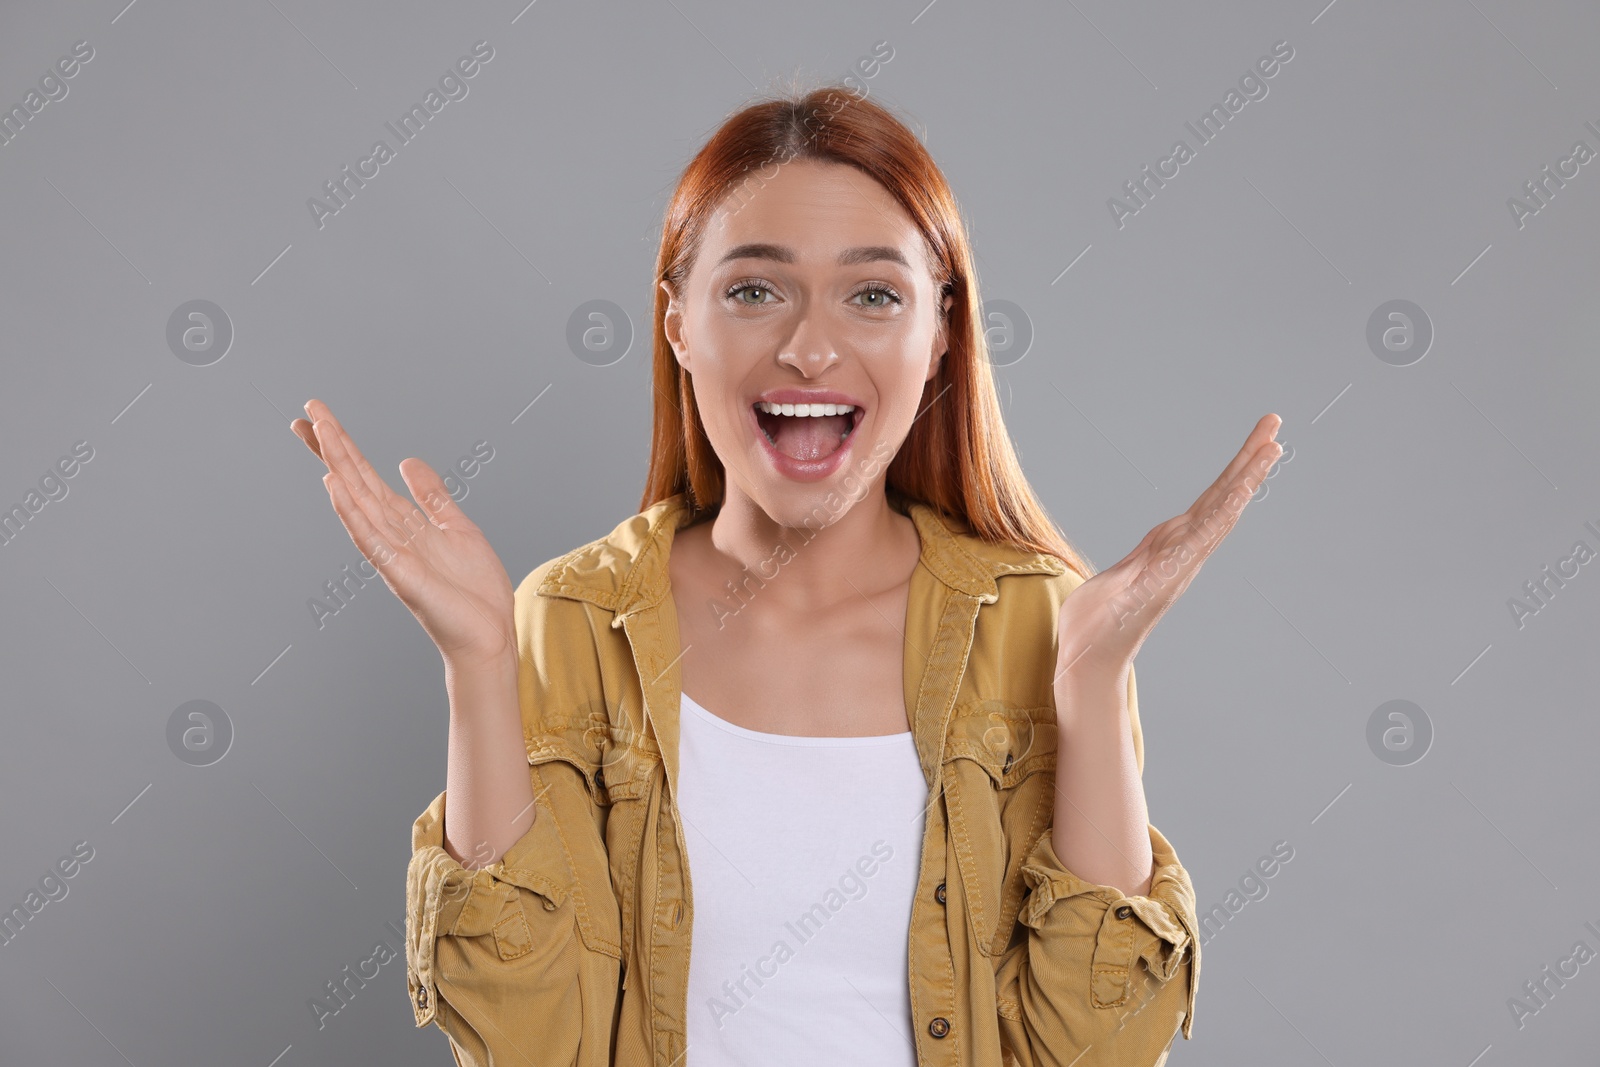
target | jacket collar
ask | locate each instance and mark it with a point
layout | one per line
(626, 571)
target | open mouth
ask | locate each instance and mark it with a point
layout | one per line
(807, 432)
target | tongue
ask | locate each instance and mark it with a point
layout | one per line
(809, 437)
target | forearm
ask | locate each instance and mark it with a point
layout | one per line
(1101, 821)
(488, 793)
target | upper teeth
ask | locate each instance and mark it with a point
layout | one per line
(804, 409)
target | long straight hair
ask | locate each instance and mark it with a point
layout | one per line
(958, 457)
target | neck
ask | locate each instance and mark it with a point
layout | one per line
(812, 559)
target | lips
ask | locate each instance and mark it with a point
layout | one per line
(803, 446)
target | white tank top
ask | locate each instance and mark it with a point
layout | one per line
(803, 860)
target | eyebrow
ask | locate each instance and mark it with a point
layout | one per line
(849, 257)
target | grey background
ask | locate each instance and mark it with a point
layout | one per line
(433, 310)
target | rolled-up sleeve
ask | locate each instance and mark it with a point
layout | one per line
(1104, 978)
(493, 955)
(518, 962)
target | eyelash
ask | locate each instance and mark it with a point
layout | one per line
(756, 283)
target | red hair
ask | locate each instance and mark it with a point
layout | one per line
(958, 457)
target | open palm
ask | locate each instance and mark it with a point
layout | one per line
(434, 558)
(1105, 620)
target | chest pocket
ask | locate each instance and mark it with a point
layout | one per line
(571, 788)
(624, 781)
(999, 778)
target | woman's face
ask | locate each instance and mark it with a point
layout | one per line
(813, 288)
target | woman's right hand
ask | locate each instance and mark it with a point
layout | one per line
(431, 555)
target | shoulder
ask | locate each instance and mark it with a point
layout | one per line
(1058, 586)
(981, 566)
(1023, 618)
(568, 637)
(608, 570)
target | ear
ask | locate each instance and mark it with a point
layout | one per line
(672, 325)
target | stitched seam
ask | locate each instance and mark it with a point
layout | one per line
(1113, 971)
(1012, 903)
(1031, 763)
(547, 752)
(1193, 948)
(635, 847)
(580, 898)
(960, 748)
(472, 887)
(554, 583)
(1118, 944)
(917, 909)
(932, 673)
(957, 646)
(683, 873)
(500, 942)
(967, 862)
(950, 969)
(605, 600)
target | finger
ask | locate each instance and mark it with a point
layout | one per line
(1220, 520)
(340, 462)
(302, 429)
(1242, 463)
(383, 505)
(433, 496)
(1204, 526)
(1253, 473)
(383, 512)
(362, 532)
(341, 449)
(1263, 431)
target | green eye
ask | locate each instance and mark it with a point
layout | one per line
(881, 291)
(881, 295)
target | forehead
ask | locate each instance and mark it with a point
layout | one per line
(815, 209)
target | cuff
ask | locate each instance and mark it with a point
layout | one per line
(443, 898)
(1157, 928)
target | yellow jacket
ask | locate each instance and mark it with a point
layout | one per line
(573, 948)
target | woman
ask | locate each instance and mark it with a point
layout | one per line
(831, 665)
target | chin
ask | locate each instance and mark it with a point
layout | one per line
(810, 508)
(816, 505)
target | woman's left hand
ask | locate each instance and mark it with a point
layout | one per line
(1105, 620)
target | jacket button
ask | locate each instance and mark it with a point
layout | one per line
(600, 777)
(939, 1027)
(422, 997)
(1124, 911)
(938, 892)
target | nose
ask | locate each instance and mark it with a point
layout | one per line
(809, 349)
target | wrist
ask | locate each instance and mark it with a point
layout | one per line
(464, 665)
(1085, 672)
(1095, 695)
